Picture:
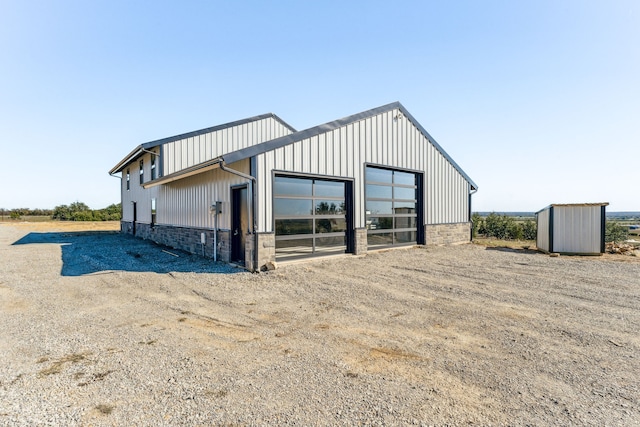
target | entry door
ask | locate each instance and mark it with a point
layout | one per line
(135, 217)
(239, 223)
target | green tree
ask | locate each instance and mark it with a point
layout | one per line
(61, 213)
(614, 232)
(496, 226)
(529, 230)
(477, 224)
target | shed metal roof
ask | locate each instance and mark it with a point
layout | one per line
(553, 205)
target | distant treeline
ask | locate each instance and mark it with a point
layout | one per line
(519, 227)
(76, 211)
(630, 215)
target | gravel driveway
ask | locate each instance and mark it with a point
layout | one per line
(99, 329)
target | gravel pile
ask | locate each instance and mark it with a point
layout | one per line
(102, 329)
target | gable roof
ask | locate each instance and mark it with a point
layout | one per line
(273, 144)
(140, 149)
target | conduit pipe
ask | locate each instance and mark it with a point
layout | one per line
(252, 180)
(254, 224)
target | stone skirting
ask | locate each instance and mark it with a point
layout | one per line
(183, 238)
(261, 247)
(360, 244)
(266, 247)
(447, 234)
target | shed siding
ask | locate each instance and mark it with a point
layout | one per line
(378, 140)
(191, 151)
(186, 202)
(542, 237)
(576, 229)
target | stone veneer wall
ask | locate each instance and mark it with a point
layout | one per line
(183, 238)
(266, 247)
(188, 240)
(360, 247)
(446, 234)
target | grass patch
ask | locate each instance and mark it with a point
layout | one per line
(105, 409)
(27, 218)
(498, 243)
(58, 365)
(218, 394)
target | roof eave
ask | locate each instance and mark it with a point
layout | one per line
(185, 173)
(308, 133)
(128, 159)
(151, 144)
(432, 140)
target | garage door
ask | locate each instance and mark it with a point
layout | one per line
(391, 207)
(310, 217)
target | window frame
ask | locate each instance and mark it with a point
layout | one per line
(153, 167)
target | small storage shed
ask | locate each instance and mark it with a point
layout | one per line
(572, 228)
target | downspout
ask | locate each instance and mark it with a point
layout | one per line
(471, 193)
(121, 207)
(254, 225)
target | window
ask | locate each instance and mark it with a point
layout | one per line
(153, 212)
(310, 217)
(153, 167)
(391, 207)
(141, 171)
(128, 180)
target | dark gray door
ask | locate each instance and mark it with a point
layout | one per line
(135, 217)
(239, 223)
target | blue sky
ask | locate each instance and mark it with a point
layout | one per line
(538, 101)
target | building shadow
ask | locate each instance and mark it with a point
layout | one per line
(529, 251)
(93, 252)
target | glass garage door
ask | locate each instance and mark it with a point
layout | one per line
(391, 207)
(310, 217)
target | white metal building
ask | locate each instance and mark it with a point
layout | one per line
(572, 228)
(256, 190)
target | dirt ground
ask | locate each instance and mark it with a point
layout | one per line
(99, 328)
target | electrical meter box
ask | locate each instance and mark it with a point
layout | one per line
(216, 208)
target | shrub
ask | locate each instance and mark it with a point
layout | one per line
(614, 232)
(477, 224)
(78, 211)
(503, 227)
(529, 230)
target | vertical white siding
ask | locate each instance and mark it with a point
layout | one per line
(186, 202)
(136, 192)
(577, 229)
(542, 236)
(380, 140)
(190, 151)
